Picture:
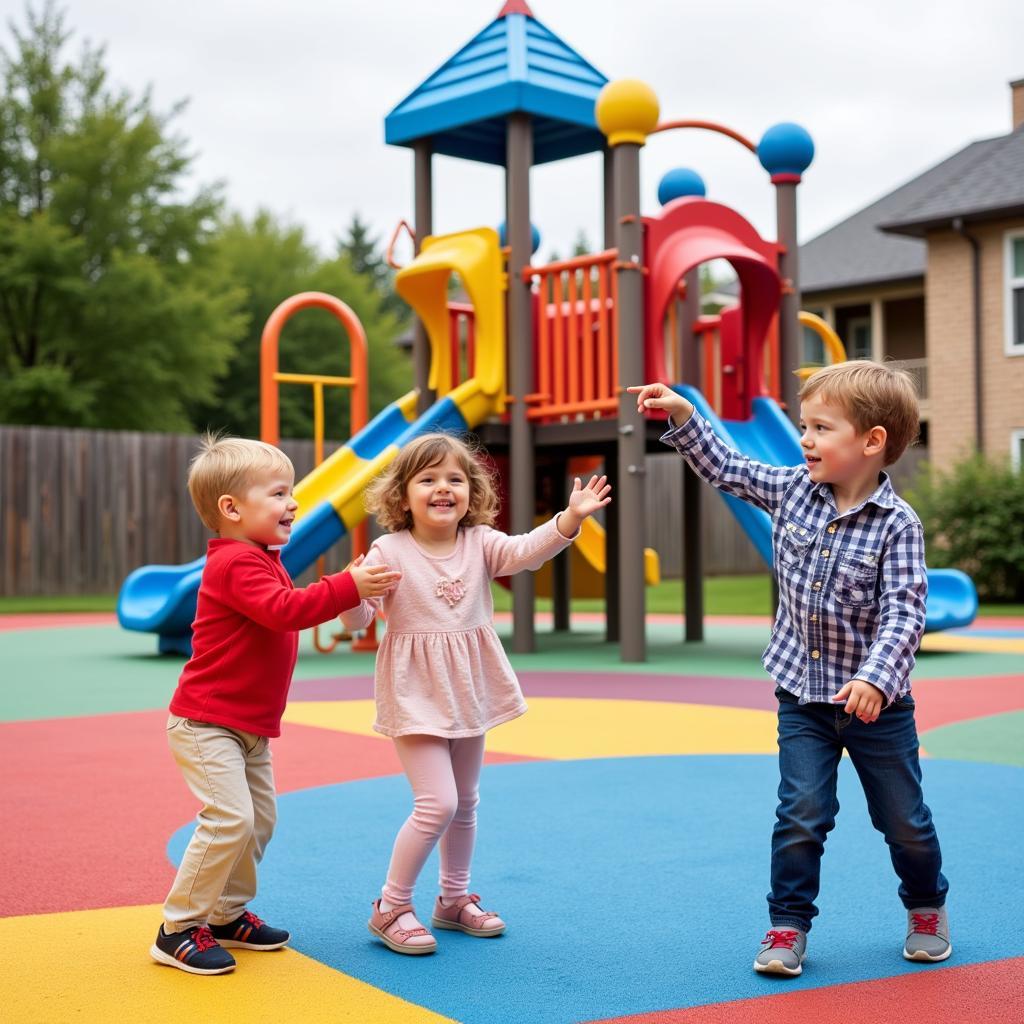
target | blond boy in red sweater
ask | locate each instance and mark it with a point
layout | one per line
(232, 693)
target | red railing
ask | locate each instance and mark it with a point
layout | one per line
(576, 364)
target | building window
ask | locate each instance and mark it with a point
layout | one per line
(1014, 295)
(858, 337)
(814, 347)
(1017, 450)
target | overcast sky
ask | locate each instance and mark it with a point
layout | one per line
(286, 101)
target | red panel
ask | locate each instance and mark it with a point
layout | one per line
(91, 803)
(55, 620)
(945, 701)
(730, 334)
(691, 231)
(987, 993)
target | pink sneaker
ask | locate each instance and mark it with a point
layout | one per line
(455, 917)
(415, 941)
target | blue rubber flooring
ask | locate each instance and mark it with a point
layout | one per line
(634, 884)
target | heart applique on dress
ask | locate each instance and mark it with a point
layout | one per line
(453, 591)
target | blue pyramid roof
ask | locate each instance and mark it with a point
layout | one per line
(515, 65)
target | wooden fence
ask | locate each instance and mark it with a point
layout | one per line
(80, 509)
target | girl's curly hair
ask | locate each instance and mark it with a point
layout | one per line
(386, 496)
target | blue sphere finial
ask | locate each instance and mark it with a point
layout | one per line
(786, 149)
(534, 237)
(679, 182)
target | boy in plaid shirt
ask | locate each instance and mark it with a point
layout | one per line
(849, 557)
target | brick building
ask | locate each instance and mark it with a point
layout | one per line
(931, 277)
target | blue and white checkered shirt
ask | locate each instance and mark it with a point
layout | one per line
(852, 585)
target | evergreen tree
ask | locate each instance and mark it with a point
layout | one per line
(366, 257)
(363, 251)
(581, 247)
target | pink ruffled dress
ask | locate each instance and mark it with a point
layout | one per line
(441, 669)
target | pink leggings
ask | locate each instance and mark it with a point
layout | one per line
(445, 776)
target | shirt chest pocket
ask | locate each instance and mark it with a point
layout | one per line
(856, 580)
(795, 542)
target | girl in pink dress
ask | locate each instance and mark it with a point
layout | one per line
(442, 678)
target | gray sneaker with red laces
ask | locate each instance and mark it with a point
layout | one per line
(783, 951)
(927, 934)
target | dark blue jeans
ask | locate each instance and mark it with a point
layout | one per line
(885, 755)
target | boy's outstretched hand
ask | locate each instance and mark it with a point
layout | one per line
(583, 502)
(660, 396)
(862, 699)
(372, 580)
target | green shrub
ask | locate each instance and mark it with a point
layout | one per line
(973, 518)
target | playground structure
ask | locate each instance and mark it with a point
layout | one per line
(537, 361)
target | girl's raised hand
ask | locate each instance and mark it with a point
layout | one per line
(585, 501)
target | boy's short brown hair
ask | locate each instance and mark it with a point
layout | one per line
(871, 395)
(229, 465)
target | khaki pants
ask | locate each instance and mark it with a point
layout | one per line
(230, 772)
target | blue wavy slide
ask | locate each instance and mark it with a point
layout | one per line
(769, 437)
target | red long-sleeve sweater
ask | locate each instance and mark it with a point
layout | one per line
(245, 636)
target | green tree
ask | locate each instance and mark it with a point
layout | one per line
(972, 520)
(715, 277)
(115, 310)
(582, 246)
(363, 251)
(272, 261)
(365, 257)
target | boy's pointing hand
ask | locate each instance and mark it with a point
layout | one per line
(660, 396)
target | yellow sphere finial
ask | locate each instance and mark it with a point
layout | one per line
(627, 111)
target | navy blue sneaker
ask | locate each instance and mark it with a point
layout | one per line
(194, 950)
(249, 932)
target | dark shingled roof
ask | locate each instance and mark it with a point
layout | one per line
(985, 178)
(992, 186)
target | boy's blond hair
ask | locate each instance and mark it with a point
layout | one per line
(229, 465)
(871, 395)
(386, 496)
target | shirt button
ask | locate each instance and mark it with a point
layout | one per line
(815, 655)
(832, 529)
(824, 553)
(803, 532)
(816, 585)
(814, 618)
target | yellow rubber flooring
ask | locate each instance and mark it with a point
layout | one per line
(564, 728)
(92, 966)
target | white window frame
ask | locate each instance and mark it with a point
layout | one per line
(819, 312)
(1017, 450)
(866, 322)
(1010, 283)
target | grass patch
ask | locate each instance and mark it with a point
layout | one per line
(723, 595)
(67, 603)
(1002, 609)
